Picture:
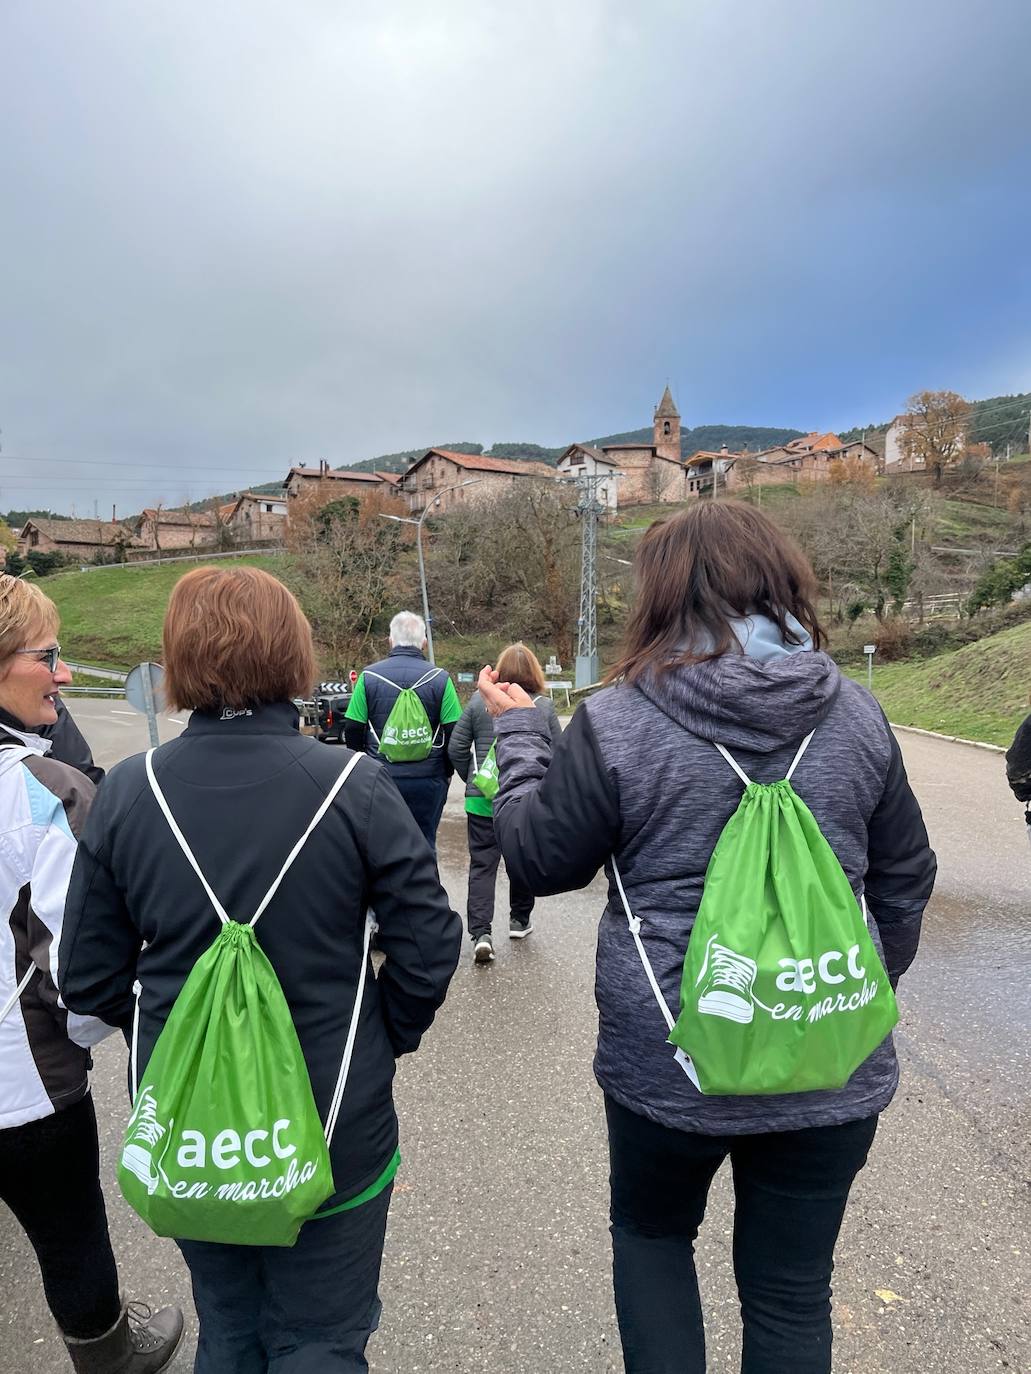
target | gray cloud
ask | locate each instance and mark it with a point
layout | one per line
(239, 235)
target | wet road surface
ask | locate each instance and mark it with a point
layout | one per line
(497, 1253)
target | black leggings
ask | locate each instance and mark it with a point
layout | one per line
(50, 1179)
(790, 1190)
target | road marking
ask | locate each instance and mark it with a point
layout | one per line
(116, 712)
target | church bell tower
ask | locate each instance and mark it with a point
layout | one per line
(667, 428)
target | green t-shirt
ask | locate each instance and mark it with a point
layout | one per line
(358, 706)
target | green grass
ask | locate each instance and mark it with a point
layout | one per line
(111, 618)
(978, 692)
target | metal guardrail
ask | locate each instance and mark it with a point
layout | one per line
(180, 558)
(118, 692)
(109, 674)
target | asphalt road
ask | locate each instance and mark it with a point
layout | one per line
(497, 1253)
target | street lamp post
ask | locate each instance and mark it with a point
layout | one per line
(407, 520)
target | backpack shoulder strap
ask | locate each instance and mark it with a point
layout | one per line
(798, 757)
(173, 825)
(634, 922)
(380, 678)
(794, 762)
(327, 802)
(426, 677)
(734, 764)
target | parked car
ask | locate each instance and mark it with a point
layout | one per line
(331, 702)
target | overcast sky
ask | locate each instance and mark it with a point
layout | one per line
(241, 235)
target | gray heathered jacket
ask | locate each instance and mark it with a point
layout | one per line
(636, 774)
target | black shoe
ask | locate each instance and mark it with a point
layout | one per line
(483, 949)
(518, 930)
(140, 1342)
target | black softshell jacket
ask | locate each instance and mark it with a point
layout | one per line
(243, 790)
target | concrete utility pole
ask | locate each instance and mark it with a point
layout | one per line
(587, 667)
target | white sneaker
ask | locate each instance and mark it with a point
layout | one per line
(729, 979)
(143, 1134)
(483, 950)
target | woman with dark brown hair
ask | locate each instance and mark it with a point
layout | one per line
(723, 651)
(241, 783)
(469, 748)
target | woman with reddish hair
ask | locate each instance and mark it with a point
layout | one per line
(242, 782)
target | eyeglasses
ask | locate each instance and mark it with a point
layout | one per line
(48, 656)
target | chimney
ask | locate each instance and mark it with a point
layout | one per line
(114, 518)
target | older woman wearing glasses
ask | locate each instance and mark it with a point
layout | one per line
(49, 1160)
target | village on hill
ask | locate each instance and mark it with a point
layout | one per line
(628, 475)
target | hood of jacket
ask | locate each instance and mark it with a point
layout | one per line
(747, 703)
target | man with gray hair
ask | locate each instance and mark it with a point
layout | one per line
(402, 712)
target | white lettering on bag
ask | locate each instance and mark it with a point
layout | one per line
(800, 974)
(259, 1161)
(290, 1149)
(225, 1150)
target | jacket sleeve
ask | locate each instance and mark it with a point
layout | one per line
(51, 863)
(100, 944)
(1018, 763)
(556, 816)
(460, 746)
(901, 867)
(418, 932)
(355, 733)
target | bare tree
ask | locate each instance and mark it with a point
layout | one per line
(342, 556)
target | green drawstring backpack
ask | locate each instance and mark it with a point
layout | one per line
(225, 1142)
(486, 778)
(783, 990)
(407, 734)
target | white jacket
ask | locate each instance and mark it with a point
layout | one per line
(44, 1055)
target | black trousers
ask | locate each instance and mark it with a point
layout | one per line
(790, 1190)
(50, 1179)
(484, 857)
(309, 1309)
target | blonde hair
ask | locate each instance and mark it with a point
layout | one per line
(24, 611)
(519, 664)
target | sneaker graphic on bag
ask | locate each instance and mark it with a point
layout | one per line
(143, 1134)
(729, 978)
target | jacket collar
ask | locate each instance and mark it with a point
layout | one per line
(14, 733)
(408, 651)
(269, 718)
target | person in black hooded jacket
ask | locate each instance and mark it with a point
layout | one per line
(722, 648)
(243, 783)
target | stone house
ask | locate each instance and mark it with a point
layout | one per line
(441, 473)
(255, 517)
(344, 482)
(81, 540)
(809, 459)
(175, 529)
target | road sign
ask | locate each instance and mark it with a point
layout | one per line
(467, 677)
(869, 650)
(145, 689)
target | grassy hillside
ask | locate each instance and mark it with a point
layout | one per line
(112, 617)
(978, 692)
